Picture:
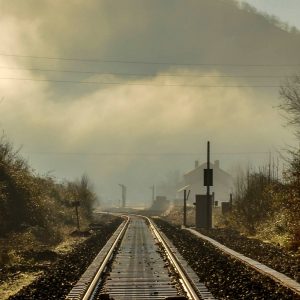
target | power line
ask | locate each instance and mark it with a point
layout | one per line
(145, 153)
(139, 84)
(147, 62)
(143, 74)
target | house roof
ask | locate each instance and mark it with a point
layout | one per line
(203, 166)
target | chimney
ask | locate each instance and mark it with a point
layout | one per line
(217, 164)
(196, 164)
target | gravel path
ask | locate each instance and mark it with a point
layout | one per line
(58, 280)
(225, 277)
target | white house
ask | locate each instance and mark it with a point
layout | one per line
(222, 182)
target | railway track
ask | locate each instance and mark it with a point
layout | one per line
(139, 262)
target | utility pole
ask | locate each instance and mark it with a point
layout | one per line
(208, 182)
(185, 198)
(207, 189)
(153, 193)
(124, 190)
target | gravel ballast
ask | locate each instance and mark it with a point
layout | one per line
(268, 254)
(57, 281)
(225, 277)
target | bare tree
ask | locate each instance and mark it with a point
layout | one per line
(82, 191)
(290, 96)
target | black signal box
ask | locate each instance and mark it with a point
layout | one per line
(208, 177)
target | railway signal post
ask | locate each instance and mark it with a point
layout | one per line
(208, 182)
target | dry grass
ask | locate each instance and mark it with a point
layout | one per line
(175, 215)
(16, 282)
(13, 257)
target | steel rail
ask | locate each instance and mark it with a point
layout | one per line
(89, 292)
(188, 287)
(91, 282)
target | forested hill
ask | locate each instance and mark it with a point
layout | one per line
(192, 32)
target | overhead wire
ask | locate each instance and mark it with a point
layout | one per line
(145, 153)
(139, 84)
(143, 74)
(149, 62)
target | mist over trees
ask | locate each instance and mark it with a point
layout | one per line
(211, 37)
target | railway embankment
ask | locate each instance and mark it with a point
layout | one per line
(56, 279)
(224, 276)
(274, 256)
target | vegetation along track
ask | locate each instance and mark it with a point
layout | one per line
(139, 262)
(224, 275)
(57, 281)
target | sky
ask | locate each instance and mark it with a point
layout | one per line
(287, 11)
(130, 91)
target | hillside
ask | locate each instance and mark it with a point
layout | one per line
(193, 31)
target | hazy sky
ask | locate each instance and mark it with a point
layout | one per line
(286, 10)
(164, 77)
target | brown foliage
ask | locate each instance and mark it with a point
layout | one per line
(37, 203)
(252, 204)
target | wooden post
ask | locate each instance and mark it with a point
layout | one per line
(76, 204)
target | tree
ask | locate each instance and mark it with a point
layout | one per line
(251, 204)
(290, 198)
(290, 96)
(31, 202)
(290, 193)
(82, 190)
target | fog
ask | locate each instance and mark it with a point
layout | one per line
(137, 129)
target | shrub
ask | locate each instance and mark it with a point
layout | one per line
(37, 204)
